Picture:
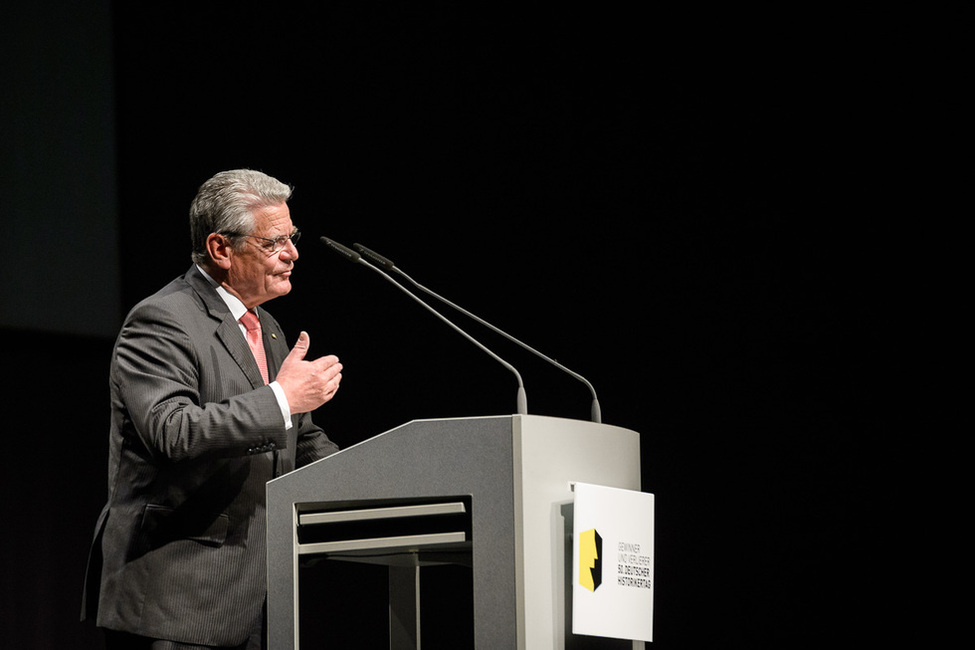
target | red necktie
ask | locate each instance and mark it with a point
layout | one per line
(253, 325)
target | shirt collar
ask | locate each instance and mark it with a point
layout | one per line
(234, 304)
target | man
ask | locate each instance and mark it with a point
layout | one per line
(197, 431)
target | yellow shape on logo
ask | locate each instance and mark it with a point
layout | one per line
(590, 565)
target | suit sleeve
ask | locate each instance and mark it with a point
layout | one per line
(312, 442)
(183, 398)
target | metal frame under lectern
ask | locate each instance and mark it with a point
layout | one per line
(487, 492)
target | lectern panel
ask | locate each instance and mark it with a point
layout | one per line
(512, 472)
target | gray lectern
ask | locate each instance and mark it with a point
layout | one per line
(489, 492)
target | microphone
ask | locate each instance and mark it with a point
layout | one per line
(348, 254)
(521, 399)
(388, 266)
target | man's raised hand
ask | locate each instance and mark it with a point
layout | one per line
(308, 384)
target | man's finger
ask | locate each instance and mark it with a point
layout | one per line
(327, 361)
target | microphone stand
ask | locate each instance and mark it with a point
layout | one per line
(521, 399)
(595, 412)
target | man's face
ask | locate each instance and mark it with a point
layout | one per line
(256, 274)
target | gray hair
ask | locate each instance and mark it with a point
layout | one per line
(226, 204)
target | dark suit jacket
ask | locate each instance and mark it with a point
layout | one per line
(195, 435)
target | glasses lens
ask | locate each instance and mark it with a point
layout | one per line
(282, 241)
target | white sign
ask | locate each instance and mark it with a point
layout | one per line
(612, 574)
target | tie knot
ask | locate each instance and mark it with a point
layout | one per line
(250, 321)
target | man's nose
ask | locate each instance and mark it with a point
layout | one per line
(290, 250)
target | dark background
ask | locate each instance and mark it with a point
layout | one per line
(681, 208)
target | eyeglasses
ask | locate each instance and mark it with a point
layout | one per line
(271, 246)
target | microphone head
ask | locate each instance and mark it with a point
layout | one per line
(374, 257)
(347, 253)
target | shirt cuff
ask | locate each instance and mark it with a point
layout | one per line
(282, 403)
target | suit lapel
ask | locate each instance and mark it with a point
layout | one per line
(230, 335)
(274, 347)
(228, 330)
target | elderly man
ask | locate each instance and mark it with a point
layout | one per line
(208, 404)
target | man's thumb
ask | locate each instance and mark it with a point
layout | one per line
(300, 349)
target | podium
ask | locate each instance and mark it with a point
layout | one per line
(492, 493)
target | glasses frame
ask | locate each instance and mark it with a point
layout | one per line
(276, 245)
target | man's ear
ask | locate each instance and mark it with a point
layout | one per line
(220, 250)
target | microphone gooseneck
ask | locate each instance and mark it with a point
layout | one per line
(387, 265)
(521, 400)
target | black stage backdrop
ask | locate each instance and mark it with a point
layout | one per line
(675, 207)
